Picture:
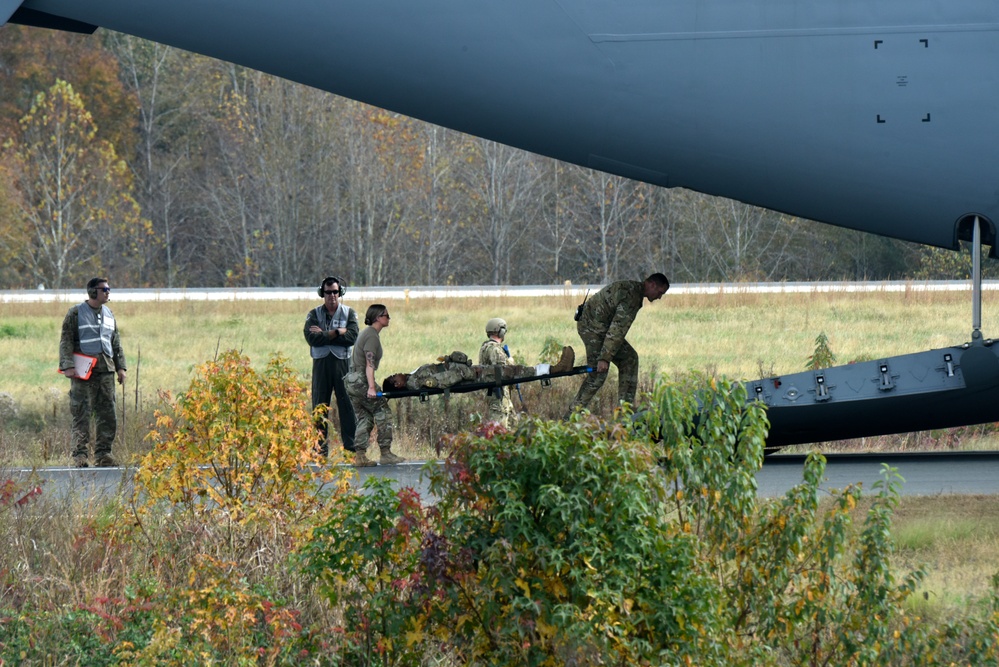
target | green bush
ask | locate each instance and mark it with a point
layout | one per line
(564, 543)
(638, 540)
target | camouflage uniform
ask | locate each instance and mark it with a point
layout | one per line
(94, 397)
(605, 321)
(444, 374)
(499, 405)
(449, 373)
(371, 412)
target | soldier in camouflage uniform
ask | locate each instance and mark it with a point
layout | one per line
(90, 328)
(372, 410)
(604, 322)
(499, 406)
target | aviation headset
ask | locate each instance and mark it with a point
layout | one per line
(92, 287)
(331, 279)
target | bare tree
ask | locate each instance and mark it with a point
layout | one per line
(383, 161)
(439, 232)
(614, 211)
(557, 234)
(502, 186)
(165, 83)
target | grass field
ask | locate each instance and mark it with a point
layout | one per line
(735, 334)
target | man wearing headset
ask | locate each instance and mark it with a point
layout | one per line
(90, 334)
(330, 330)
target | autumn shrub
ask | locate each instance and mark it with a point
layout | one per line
(238, 446)
(16, 493)
(234, 472)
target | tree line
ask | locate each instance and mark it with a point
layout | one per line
(161, 168)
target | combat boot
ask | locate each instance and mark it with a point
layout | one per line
(566, 361)
(106, 461)
(361, 459)
(388, 458)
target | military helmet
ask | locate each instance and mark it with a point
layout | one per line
(497, 326)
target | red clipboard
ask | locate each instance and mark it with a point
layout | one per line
(84, 364)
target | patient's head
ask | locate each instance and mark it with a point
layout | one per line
(395, 382)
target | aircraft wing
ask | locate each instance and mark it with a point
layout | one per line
(876, 115)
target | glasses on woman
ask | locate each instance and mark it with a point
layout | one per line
(386, 316)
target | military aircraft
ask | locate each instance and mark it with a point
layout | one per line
(876, 115)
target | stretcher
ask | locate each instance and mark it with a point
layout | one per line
(465, 387)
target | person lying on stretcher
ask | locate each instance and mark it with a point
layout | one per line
(456, 368)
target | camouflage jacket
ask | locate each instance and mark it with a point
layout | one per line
(609, 313)
(492, 354)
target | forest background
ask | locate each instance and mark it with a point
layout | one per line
(160, 168)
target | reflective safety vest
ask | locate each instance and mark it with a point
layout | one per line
(329, 322)
(96, 329)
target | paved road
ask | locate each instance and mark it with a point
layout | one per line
(930, 474)
(958, 473)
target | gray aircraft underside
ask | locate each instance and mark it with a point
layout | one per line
(876, 115)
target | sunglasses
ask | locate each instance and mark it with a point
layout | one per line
(106, 290)
(328, 292)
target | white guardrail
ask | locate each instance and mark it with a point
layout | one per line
(418, 292)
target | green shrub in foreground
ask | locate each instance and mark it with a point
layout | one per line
(563, 543)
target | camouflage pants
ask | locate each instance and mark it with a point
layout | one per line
(371, 413)
(626, 361)
(93, 398)
(499, 409)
